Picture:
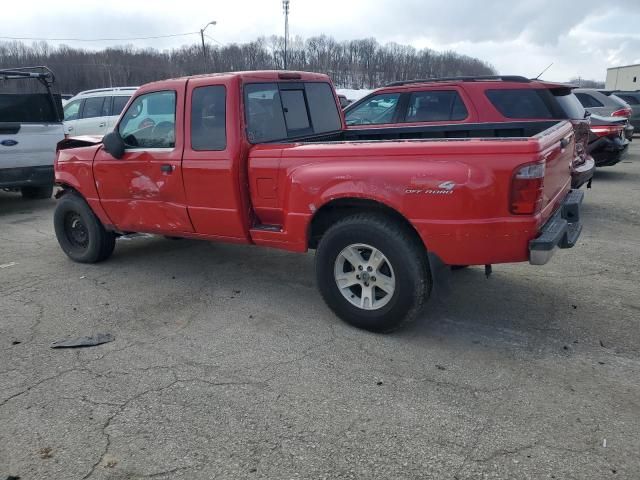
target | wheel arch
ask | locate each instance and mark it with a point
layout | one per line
(338, 208)
(94, 203)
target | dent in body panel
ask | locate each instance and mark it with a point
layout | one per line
(74, 168)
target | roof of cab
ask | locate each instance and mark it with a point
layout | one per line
(247, 76)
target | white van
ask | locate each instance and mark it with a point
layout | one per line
(95, 112)
(30, 128)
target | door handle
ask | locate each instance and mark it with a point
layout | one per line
(69, 128)
(103, 124)
(166, 168)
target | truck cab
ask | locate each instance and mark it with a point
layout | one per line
(264, 158)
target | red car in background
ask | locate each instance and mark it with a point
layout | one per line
(485, 99)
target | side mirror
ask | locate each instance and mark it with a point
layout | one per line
(113, 144)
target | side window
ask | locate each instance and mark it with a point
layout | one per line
(150, 121)
(118, 104)
(377, 109)
(106, 106)
(588, 101)
(92, 107)
(525, 103)
(435, 106)
(71, 110)
(208, 118)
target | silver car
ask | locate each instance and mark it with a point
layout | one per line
(599, 103)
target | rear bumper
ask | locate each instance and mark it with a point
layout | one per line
(562, 230)
(26, 177)
(628, 131)
(583, 173)
(609, 151)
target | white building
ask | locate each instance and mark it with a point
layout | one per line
(623, 78)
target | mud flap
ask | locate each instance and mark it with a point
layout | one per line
(440, 277)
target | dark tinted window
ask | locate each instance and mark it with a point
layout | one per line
(629, 99)
(118, 104)
(279, 111)
(295, 110)
(571, 106)
(525, 103)
(29, 107)
(208, 118)
(435, 106)
(376, 109)
(150, 121)
(323, 109)
(588, 101)
(92, 107)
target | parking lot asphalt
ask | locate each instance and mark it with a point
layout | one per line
(227, 364)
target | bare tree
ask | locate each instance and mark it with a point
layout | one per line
(362, 63)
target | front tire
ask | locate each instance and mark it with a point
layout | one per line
(372, 272)
(37, 193)
(80, 233)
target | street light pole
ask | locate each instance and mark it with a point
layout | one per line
(204, 49)
(285, 8)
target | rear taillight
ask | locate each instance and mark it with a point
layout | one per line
(606, 130)
(623, 112)
(526, 189)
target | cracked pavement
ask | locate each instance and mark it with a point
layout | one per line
(227, 364)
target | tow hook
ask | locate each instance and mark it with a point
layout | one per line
(487, 270)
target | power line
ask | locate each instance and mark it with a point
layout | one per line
(98, 39)
(211, 38)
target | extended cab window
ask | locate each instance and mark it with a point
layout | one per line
(435, 106)
(525, 103)
(208, 118)
(279, 111)
(150, 121)
(377, 109)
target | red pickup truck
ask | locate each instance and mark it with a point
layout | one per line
(264, 158)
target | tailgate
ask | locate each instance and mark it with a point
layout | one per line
(29, 144)
(557, 149)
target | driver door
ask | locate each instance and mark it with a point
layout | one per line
(143, 191)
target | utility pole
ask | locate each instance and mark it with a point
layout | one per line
(285, 8)
(204, 48)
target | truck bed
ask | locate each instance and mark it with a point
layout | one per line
(511, 130)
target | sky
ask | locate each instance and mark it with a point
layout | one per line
(582, 38)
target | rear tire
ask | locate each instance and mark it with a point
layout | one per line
(38, 193)
(378, 294)
(80, 233)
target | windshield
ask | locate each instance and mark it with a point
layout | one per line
(281, 111)
(375, 110)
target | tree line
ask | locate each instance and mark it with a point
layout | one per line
(360, 63)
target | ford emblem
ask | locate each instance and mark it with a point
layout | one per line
(9, 143)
